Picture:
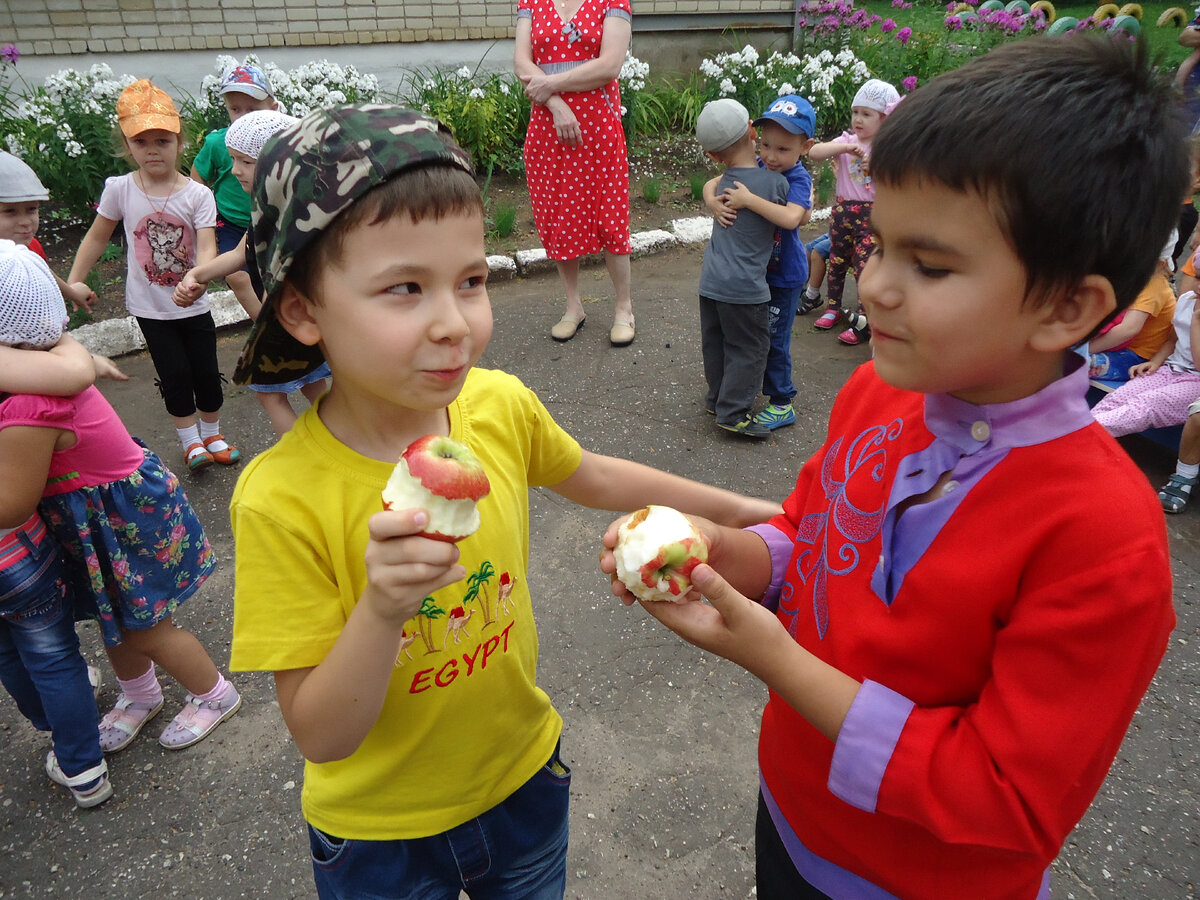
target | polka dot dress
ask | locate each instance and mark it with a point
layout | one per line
(579, 195)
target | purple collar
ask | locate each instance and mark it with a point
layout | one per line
(1056, 410)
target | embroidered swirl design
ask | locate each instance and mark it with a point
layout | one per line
(832, 538)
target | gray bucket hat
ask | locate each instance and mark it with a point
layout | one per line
(18, 182)
(307, 175)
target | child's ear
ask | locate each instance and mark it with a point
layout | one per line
(808, 145)
(293, 310)
(1074, 315)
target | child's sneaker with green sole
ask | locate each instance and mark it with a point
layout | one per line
(773, 416)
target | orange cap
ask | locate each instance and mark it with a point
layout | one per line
(143, 107)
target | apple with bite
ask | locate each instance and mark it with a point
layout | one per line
(657, 548)
(443, 477)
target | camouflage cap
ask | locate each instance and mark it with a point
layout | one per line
(308, 174)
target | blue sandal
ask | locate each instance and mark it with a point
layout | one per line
(1172, 495)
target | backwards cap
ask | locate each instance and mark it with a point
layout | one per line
(31, 306)
(308, 174)
(18, 182)
(249, 134)
(721, 124)
(246, 79)
(144, 107)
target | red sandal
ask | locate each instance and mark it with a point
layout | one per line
(226, 457)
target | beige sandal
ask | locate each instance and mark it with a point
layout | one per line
(622, 334)
(567, 327)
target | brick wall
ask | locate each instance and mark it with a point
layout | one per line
(42, 27)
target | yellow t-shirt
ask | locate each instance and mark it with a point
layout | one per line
(1158, 300)
(464, 724)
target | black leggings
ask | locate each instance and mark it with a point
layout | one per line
(775, 874)
(184, 352)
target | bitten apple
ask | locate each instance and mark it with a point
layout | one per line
(657, 548)
(443, 477)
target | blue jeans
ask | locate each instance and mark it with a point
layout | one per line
(820, 244)
(777, 377)
(515, 851)
(40, 663)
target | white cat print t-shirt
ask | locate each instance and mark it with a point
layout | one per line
(160, 242)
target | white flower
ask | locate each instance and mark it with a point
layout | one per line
(727, 87)
(624, 111)
(475, 93)
(464, 72)
(786, 88)
(504, 89)
(74, 149)
(710, 68)
(14, 146)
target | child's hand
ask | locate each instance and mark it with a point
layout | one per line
(189, 290)
(608, 562)
(720, 210)
(81, 296)
(729, 624)
(856, 149)
(1141, 369)
(739, 196)
(404, 566)
(106, 368)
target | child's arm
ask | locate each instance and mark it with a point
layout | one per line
(91, 247)
(206, 255)
(1156, 361)
(195, 282)
(790, 216)
(24, 464)
(1125, 330)
(80, 295)
(330, 708)
(606, 482)
(720, 210)
(63, 371)
(830, 149)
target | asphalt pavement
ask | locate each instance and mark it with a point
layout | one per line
(661, 736)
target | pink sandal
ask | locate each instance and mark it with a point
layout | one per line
(124, 722)
(197, 720)
(828, 319)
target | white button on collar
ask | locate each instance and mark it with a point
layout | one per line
(948, 487)
(980, 431)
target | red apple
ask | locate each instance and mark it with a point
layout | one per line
(443, 477)
(657, 549)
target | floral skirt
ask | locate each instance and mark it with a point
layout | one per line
(133, 549)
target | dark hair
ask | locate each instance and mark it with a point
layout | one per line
(1077, 143)
(434, 190)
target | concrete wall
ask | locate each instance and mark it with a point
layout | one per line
(71, 27)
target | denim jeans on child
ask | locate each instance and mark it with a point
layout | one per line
(40, 663)
(777, 377)
(515, 851)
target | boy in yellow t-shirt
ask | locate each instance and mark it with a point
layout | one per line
(404, 666)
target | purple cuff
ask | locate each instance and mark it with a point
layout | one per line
(866, 742)
(780, 546)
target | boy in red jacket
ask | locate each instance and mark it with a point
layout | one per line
(953, 651)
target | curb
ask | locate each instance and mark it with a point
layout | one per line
(118, 337)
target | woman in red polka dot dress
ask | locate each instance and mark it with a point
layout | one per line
(569, 54)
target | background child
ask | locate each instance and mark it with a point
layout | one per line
(243, 89)
(21, 196)
(1159, 390)
(1143, 329)
(889, 767)
(1174, 495)
(388, 277)
(818, 260)
(40, 662)
(169, 222)
(785, 132)
(134, 550)
(734, 297)
(850, 221)
(245, 139)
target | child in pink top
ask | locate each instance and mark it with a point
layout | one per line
(850, 221)
(133, 548)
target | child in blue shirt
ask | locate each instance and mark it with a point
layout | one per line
(785, 134)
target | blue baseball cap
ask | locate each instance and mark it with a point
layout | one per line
(792, 113)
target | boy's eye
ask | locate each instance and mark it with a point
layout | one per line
(407, 287)
(474, 282)
(927, 271)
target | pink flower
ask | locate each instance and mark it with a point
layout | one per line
(178, 532)
(888, 26)
(10, 53)
(904, 34)
(910, 83)
(953, 23)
